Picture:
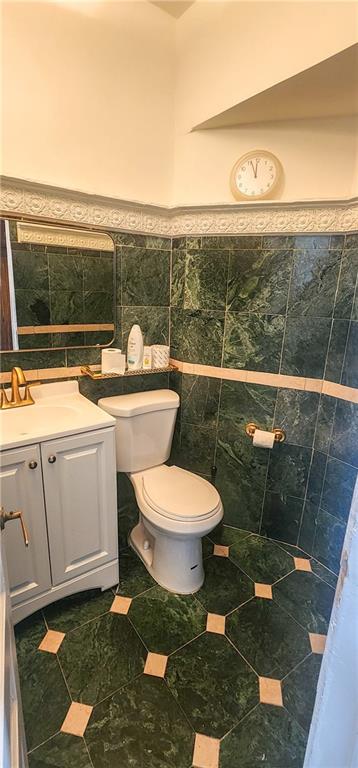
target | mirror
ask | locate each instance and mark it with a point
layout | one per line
(57, 287)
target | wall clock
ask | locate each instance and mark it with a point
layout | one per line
(255, 175)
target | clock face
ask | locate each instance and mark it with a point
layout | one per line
(255, 175)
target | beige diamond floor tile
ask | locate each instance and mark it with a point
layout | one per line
(215, 623)
(76, 719)
(302, 564)
(270, 691)
(263, 590)
(52, 641)
(155, 664)
(121, 604)
(221, 551)
(318, 642)
(206, 752)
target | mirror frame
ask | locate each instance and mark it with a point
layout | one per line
(78, 228)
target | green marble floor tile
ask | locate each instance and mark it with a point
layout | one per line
(45, 698)
(308, 599)
(207, 546)
(62, 751)
(267, 637)
(299, 690)
(142, 727)
(268, 737)
(133, 575)
(77, 609)
(28, 635)
(261, 559)
(324, 573)
(225, 586)
(224, 534)
(212, 683)
(100, 657)
(166, 621)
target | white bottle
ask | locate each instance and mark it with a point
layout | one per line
(135, 349)
(147, 358)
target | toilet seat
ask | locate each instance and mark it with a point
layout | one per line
(178, 494)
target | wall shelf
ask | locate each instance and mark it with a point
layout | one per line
(97, 375)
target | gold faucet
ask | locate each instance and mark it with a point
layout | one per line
(18, 380)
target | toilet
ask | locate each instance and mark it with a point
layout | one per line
(177, 507)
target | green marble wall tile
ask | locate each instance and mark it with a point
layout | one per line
(278, 241)
(232, 241)
(32, 360)
(98, 306)
(212, 684)
(154, 322)
(240, 480)
(200, 400)
(259, 280)
(314, 282)
(197, 336)
(281, 517)
(206, 279)
(268, 736)
(141, 241)
(145, 383)
(325, 418)
(296, 413)
(267, 637)
(263, 561)
(30, 270)
(344, 444)
(89, 356)
(253, 341)
(118, 258)
(67, 307)
(313, 242)
(36, 341)
(142, 726)
(308, 526)
(178, 243)
(98, 274)
(346, 283)
(338, 488)
(328, 542)
(62, 751)
(32, 306)
(197, 447)
(316, 477)
(241, 403)
(350, 368)
(288, 470)
(145, 277)
(305, 346)
(178, 279)
(104, 338)
(66, 271)
(94, 390)
(336, 350)
(351, 240)
(299, 690)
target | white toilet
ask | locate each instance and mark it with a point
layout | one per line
(177, 508)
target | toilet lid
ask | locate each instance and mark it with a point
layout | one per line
(178, 494)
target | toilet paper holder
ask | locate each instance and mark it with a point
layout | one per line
(280, 434)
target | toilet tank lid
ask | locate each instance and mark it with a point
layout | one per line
(140, 402)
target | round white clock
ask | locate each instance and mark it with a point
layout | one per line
(255, 175)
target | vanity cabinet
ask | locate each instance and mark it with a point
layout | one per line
(66, 489)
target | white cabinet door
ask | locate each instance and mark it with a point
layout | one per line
(21, 488)
(80, 491)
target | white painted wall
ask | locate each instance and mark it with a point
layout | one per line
(101, 96)
(88, 96)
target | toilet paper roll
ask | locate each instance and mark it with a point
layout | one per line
(263, 439)
(160, 356)
(112, 361)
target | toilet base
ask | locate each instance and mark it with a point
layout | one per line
(174, 562)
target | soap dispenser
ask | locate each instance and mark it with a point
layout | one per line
(135, 349)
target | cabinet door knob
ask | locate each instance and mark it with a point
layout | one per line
(51, 459)
(32, 464)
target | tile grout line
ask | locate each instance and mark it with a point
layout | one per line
(286, 310)
(30, 751)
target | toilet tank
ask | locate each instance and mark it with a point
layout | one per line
(144, 427)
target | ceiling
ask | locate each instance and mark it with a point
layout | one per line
(175, 8)
(326, 89)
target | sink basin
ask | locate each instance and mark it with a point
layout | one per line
(59, 410)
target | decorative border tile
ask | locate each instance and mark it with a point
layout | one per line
(52, 204)
(41, 234)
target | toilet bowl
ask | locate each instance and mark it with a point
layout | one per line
(176, 507)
